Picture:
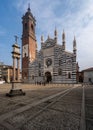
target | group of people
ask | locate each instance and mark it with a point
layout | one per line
(40, 83)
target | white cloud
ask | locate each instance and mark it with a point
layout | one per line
(76, 17)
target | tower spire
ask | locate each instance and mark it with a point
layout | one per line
(29, 7)
(42, 39)
(63, 40)
(74, 45)
(55, 34)
(48, 36)
(63, 36)
(74, 41)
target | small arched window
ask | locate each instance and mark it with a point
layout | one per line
(39, 65)
(69, 75)
(32, 27)
(25, 54)
(33, 77)
(25, 25)
(39, 73)
(59, 62)
(59, 71)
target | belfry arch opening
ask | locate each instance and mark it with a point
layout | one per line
(48, 77)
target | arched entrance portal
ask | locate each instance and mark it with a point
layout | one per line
(48, 77)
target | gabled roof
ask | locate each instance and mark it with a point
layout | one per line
(88, 69)
(49, 43)
(49, 40)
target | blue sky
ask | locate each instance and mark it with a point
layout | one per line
(74, 16)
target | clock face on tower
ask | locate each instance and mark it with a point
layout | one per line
(48, 62)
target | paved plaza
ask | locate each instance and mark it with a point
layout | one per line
(49, 107)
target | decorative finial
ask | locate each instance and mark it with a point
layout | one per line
(16, 38)
(74, 41)
(63, 35)
(48, 37)
(55, 32)
(74, 45)
(63, 40)
(29, 7)
(42, 38)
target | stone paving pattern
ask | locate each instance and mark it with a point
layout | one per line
(89, 107)
(63, 114)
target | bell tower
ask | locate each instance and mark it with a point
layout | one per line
(29, 44)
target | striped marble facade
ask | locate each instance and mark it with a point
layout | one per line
(53, 63)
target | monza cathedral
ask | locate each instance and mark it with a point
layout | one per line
(52, 63)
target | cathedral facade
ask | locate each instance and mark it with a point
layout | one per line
(52, 63)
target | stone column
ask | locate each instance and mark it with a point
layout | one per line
(18, 68)
(13, 68)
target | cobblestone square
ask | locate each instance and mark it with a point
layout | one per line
(50, 107)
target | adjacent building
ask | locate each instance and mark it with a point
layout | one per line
(6, 72)
(88, 75)
(1, 64)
